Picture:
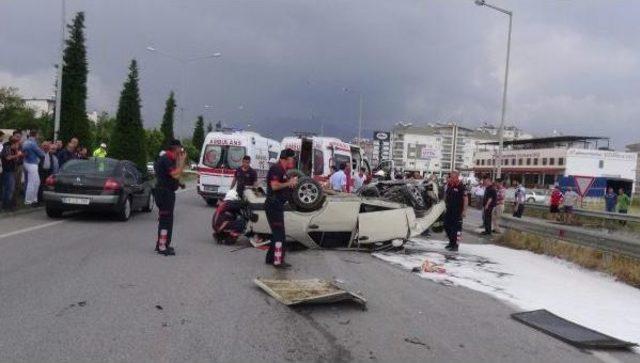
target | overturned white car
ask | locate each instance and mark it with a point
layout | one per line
(347, 221)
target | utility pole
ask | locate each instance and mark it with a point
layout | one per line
(56, 124)
(360, 121)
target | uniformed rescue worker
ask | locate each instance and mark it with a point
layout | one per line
(456, 202)
(168, 168)
(245, 176)
(278, 188)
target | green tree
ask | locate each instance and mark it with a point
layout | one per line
(154, 140)
(193, 153)
(209, 127)
(14, 114)
(167, 120)
(73, 110)
(128, 136)
(198, 133)
(101, 131)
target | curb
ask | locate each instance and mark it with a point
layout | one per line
(19, 212)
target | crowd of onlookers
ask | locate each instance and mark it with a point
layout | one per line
(26, 162)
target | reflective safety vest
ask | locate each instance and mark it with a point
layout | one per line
(100, 153)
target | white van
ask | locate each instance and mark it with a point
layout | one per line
(315, 155)
(222, 154)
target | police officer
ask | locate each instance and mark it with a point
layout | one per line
(168, 168)
(278, 188)
(456, 201)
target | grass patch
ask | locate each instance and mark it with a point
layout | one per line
(624, 268)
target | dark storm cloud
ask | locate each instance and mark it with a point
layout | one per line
(574, 64)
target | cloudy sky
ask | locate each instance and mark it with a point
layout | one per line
(286, 63)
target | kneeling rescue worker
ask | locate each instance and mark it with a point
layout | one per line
(228, 225)
(168, 168)
(278, 189)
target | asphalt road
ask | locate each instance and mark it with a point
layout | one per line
(88, 288)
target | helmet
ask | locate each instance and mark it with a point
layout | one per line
(231, 195)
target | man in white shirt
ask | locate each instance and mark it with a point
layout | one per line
(338, 180)
(570, 202)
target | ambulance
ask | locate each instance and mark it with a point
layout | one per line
(222, 154)
(315, 155)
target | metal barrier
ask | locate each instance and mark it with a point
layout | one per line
(626, 245)
(593, 214)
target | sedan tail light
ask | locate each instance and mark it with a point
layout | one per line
(112, 185)
(50, 181)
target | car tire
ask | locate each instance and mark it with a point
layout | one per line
(149, 206)
(369, 191)
(307, 196)
(531, 200)
(124, 212)
(53, 212)
(211, 201)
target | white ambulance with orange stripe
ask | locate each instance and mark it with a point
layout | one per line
(315, 155)
(222, 154)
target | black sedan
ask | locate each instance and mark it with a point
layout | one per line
(98, 184)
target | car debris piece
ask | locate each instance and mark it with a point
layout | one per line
(568, 331)
(311, 291)
(428, 266)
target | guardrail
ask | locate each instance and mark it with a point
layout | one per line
(592, 214)
(626, 245)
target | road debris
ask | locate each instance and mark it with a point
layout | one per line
(311, 291)
(416, 341)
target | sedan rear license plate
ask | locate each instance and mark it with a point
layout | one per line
(210, 188)
(77, 201)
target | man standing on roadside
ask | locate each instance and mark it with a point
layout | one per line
(555, 201)
(278, 188)
(338, 180)
(623, 202)
(488, 204)
(100, 152)
(11, 155)
(570, 203)
(168, 169)
(519, 200)
(47, 166)
(360, 179)
(245, 176)
(610, 200)
(499, 209)
(456, 203)
(32, 156)
(69, 152)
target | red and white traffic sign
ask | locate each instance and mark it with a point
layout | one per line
(583, 184)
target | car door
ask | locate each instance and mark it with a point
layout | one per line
(133, 182)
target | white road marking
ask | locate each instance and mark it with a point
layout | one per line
(34, 228)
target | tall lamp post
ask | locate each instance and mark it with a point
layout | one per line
(183, 65)
(504, 90)
(56, 122)
(360, 100)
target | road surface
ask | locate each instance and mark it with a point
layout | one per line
(88, 288)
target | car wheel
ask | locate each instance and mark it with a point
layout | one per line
(307, 195)
(211, 201)
(53, 212)
(531, 200)
(149, 206)
(124, 213)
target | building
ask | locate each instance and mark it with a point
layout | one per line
(366, 145)
(508, 132)
(635, 148)
(438, 148)
(42, 106)
(542, 162)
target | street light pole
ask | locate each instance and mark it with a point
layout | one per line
(360, 121)
(506, 81)
(56, 122)
(183, 66)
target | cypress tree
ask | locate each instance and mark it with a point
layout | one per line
(167, 120)
(128, 136)
(198, 134)
(73, 110)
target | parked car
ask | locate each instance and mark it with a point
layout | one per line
(98, 184)
(531, 196)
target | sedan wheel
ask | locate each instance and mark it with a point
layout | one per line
(125, 210)
(149, 207)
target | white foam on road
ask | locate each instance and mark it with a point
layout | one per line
(530, 281)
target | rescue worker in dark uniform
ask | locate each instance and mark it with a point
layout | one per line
(278, 189)
(245, 176)
(168, 168)
(456, 201)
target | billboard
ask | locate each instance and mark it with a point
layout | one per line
(381, 146)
